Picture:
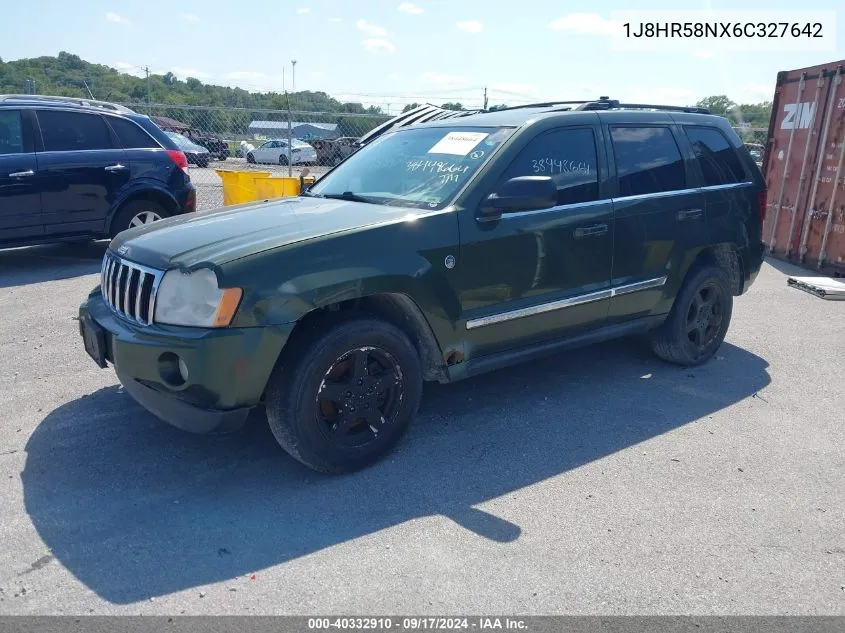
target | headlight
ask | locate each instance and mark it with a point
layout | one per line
(194, 299)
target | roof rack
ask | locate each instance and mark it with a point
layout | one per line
(106, 105)
(606, 103)
(603, 103)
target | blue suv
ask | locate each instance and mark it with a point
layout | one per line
(74, 169)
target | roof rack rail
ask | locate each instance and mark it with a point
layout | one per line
(603, 103)
(545, 104)
(106, 105)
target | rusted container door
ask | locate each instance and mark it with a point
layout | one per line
(804, 169)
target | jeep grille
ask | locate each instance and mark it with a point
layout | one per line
(129, 288)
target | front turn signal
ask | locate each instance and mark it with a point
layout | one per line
(228, 306)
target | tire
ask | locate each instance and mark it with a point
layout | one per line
(202, 163)
(137, 213)
(250, 158)
(312, 429)
(283, 160)
(699, 319)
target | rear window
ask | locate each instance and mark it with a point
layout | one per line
(718, 160)
(647, 160)
(11, 132)
(73, 131)
(131, 135)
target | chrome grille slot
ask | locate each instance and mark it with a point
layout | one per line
(129, 288)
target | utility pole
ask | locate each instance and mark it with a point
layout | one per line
(90, 94)
(293, 78)
(284, 89)
(147, 70)
(485, 97)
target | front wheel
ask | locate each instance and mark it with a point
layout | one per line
(344, 397)
(250, 158)
(283, 160)
(699, 319)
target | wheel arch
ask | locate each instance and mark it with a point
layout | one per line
(724, 255)
(396, 308)
(162, 198)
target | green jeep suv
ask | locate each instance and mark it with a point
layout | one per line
(436, 252)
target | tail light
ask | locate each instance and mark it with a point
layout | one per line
(761, 200)
(179, 158)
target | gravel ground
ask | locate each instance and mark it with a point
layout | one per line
(602, 482)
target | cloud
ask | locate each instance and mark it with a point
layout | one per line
(303, 10)
(586, 23)
(183, 73)
(190, 17)
(509, 89)
(410, 8)
(335, 19)
(442, 80)
(470, 26)
(371, 29)
(376, 45)
(130, 69)
(116, 18)
(249, 75)
(394, 77)
(702, 54)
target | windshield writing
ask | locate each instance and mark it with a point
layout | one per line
(422, 168)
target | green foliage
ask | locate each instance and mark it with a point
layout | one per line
(452, 106)
(67, 74)
(756, 115)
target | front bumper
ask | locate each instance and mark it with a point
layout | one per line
(227, 369)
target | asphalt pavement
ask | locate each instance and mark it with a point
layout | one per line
(602, 481)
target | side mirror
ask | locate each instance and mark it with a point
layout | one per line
(523, 193)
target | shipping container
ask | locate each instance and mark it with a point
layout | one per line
(803, 165)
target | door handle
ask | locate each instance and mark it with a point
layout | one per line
(690, 214)
(117, 167)
(590, 231)
(22, 174)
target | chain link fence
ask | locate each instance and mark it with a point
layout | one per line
(281, 142)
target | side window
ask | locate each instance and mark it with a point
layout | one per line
(11, 132)
(567, 155)
(131, 135)
(647, 160)
(72, 131)
(719, 162)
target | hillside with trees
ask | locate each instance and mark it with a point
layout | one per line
(69, 75)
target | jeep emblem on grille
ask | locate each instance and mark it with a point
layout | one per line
(123, 250)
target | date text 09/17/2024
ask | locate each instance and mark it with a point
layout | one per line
(417, 623)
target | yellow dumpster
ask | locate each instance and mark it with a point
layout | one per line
(239, 186)
(268, 187)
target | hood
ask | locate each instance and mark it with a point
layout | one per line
(223, 235)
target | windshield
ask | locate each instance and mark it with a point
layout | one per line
(423, 168)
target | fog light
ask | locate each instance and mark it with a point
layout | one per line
(183, 370)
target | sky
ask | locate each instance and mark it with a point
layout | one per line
(391, 52)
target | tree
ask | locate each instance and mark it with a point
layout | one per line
(501, 106)
(720, 105)
(452, 106)
(410, 107)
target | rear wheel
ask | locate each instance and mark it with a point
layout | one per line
(137, 213)
(699, 320)
(283, 160)
(250, 158)
(345, 396)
